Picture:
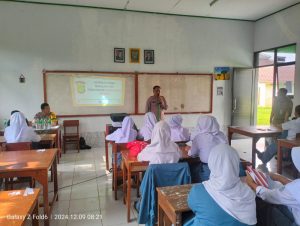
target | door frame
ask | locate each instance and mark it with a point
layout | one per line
(253, 102)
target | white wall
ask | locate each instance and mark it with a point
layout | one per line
(36, 37)
(281, 29)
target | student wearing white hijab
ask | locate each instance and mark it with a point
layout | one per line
(178, 133)
(287, 195)
(224, 199)
(162, 149)
(124, 134)
(19, 131)
(206, 136)
(149, 123)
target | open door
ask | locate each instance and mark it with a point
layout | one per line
(243, 97)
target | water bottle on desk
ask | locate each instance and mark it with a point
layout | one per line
(49, 124)
(39, 124)
(44, 124)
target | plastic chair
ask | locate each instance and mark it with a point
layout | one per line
(159, 175)
(71, 137)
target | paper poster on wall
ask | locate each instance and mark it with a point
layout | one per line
(97, 91)
(222, 73)
(219, 91)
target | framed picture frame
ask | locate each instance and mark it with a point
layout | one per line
(119, 55)
(134, 55)
(148, 56)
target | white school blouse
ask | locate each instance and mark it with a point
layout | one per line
(293, 127)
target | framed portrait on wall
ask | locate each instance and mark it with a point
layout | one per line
(148, 56)
(134, 55)
(119, 55)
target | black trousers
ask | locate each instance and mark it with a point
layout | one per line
(273, 215)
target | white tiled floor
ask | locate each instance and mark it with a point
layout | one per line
(85, 188)
(85, 191)
(244, 148)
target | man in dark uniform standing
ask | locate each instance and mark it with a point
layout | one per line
(156, 103)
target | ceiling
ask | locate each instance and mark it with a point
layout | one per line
(232, 9)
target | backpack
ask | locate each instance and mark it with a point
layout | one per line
(83, 144)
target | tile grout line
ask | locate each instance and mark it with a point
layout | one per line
(98, 191)
(74, 163)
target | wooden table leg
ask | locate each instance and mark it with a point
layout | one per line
(54, 166)
(254, 141)
(124, 171)
(229, 136)
(160, 216)
(178, 219)
(279, 157)
(106, 154)
(115, 171)
(128, 193)
(35, 213)
(42, 178)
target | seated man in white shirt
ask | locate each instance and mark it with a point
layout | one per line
(285, 192)
(291, 127)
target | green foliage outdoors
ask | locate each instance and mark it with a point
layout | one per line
(263, 115)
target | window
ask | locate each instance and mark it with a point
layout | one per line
(276, 69)
(286, 54)
(265, 58)
(282, 59)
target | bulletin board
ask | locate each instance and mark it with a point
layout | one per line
(185, 93)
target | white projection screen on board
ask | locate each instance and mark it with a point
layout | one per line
(83, 93)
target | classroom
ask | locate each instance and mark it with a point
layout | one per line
(149, 112)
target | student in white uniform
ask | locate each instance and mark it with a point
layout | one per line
(162, 149)
(288, 194)
(149, 123)
(292, 127)
(178, 133)
(206, 136)
(124, 134)
(223, 200)
(19, 131)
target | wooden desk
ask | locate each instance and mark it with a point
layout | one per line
(172, 202)
(2, 140)
(45, 138)
(284, 143)
(131, 165)
(116, 173)
(54, 130)
(51, 138)
(255, 132)
(15, 209)
(32, 164)
(108, 130)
